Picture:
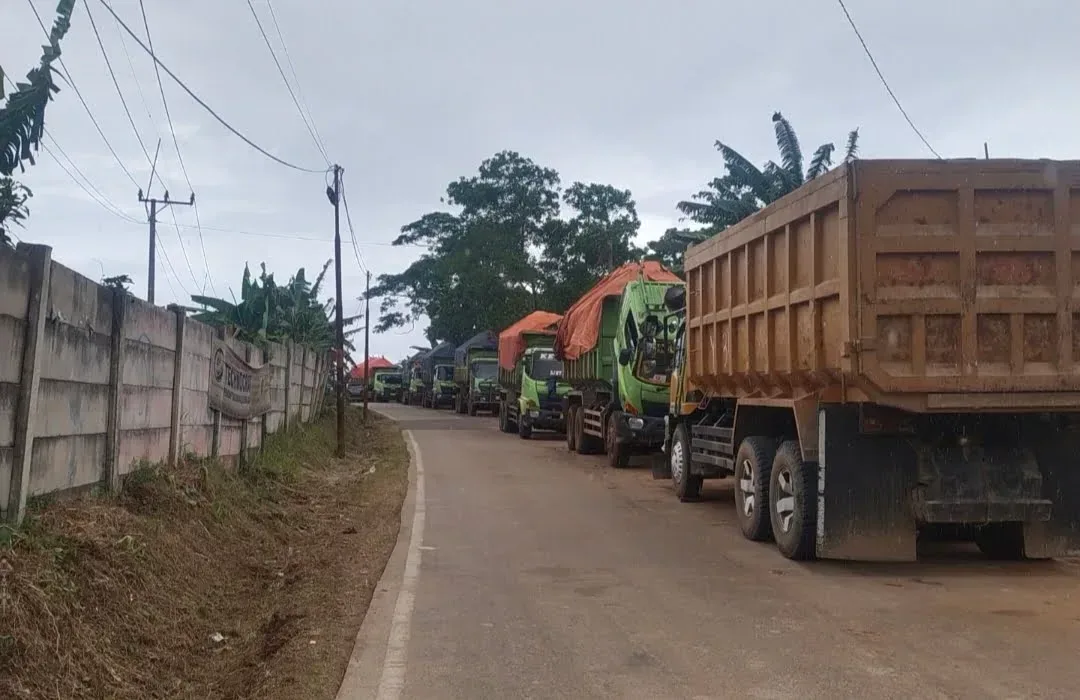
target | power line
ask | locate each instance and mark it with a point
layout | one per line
(352, 233)
(78, 93)
(292, 70)
(884, 82)
(93, 192)
(203, 104)
(281, 71)
(176, 143)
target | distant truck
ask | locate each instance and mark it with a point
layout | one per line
(891, 350)
(531, 389)
(476, 374)
(437, 376)
(386, 384)
(619, 395)
(412, 386)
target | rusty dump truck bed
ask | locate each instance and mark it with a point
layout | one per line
(932, 286)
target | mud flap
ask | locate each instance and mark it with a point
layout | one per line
(1057, 449)
(661, 468)
(864, 491)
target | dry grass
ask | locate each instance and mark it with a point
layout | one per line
(126, 597)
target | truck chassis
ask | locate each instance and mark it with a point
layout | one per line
(596, 425)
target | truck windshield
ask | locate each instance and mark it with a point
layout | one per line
(444, 372)
(388, 378)
(485, 370)
(655, 363)
(545, 365)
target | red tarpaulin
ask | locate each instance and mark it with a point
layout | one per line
(511, 342)
(374, 363)
(580, 327)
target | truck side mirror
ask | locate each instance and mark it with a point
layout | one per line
(625, 355)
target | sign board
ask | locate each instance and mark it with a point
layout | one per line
(237, 389)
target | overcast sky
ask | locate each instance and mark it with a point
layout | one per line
(410, 95)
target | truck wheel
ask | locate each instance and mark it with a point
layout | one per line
(470, 408)
(581, 440)
(1001, 541)
(753, 465)
(504, 420)
(618, 455)
(687, 486)
(793, 503)
(524, 430)
(571, 429)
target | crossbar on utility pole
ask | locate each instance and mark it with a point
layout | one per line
(367, 337)
(152, 264)
(339, 321)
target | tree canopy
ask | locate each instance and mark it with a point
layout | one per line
(510, 240)
(744, 188)
(267, 312)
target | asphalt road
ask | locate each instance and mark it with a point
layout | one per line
(542, 574)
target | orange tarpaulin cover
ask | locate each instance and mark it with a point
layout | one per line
(581, 324)
(511, 342)
(374, 363)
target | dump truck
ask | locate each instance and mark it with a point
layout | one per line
(890, 351)
(619, 396)
(531, 389)
(437, 376)
(476, 374)
(386, 384)
(411, 383)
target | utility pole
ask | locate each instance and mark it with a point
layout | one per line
(339, 321)
(367, 337)
(152, 267)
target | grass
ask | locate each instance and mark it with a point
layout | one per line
(204, 582)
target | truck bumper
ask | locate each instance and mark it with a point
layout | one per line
(641, 432)
(546, 418)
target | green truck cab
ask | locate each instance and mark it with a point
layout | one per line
(620, 383)
(386, 384)
(476, 374)
(412, 386)
(531, 388)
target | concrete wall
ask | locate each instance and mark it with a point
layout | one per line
(107, 388)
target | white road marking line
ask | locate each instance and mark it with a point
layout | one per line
(392, 680)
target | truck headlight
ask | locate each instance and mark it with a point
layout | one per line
(635, 423)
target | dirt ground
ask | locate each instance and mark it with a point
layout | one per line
(198, 582)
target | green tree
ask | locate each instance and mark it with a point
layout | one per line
(22, 123)
(480, 270)
(745, 188)
(596, 239)
(267, 312)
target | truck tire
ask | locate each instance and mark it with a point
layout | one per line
(753, 466)
(793, 503)
(504, 419)
(524, 430)
(618, 455)
(470, 407)
(1001, 541)
(571, 428)
(581, 440)
(687, 486)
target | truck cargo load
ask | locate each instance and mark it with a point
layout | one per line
(512, 339)
(892, 347)
(531, 388)
(620, 392)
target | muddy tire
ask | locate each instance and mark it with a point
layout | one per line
(687, 486)
(793, 503)
(1001, 541)
(618, 455)
(524, 430)
(504, 420)
(581, 440)
(753, 466)
(471, 407)
(571, 429)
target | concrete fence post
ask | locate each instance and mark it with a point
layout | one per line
(175, 425)
(303, 382)
(111, 475)
(30, 378)
(215, 429)
(246, 423)
(265, 416)
(288, 380)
